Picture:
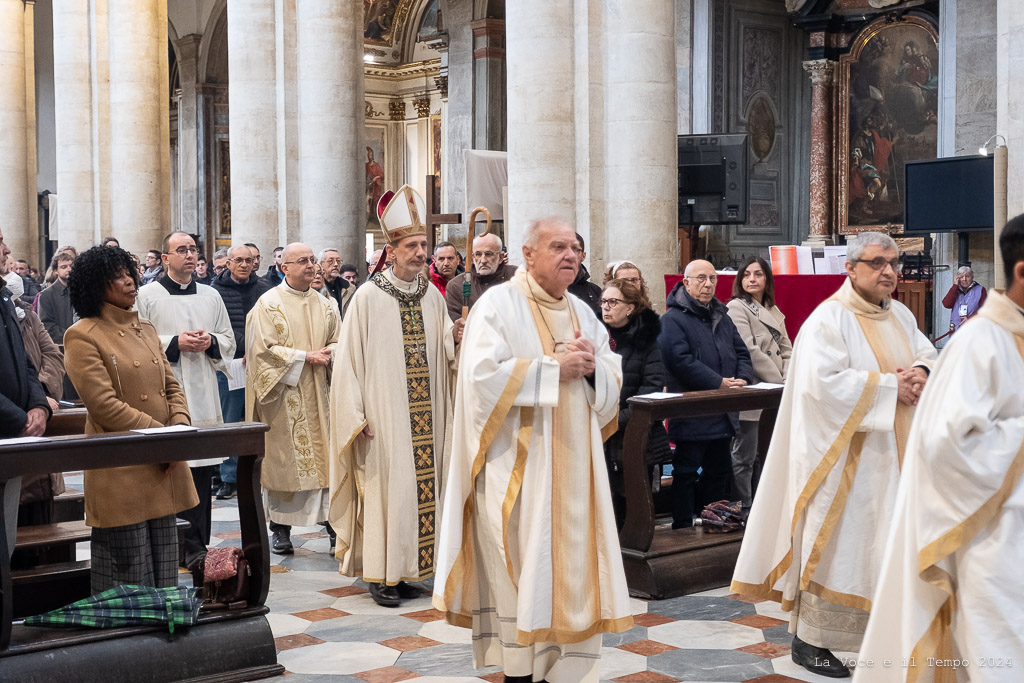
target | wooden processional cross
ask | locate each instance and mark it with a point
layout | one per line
(435, 218)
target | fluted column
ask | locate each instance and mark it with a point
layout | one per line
(640, 174)
(821, 71)
(252, 117)
(541, 115)
(330, 125)
(15, 220)
(138, 92)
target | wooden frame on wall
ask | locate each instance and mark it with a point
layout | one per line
(887, 115)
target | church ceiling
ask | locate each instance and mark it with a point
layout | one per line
(384, 21)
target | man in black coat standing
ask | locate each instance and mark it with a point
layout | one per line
(239, 287)
(23, 407)
(582, 288)
(702, 350)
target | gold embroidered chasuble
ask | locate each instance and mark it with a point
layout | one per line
(284, 391)
(951, 583)
(817, 527)
(529, 555)
(391, 373)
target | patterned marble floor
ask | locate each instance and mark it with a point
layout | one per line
(327, 628)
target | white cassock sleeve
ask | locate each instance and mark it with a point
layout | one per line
(291, 378)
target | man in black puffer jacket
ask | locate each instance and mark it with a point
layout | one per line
(240, 288)
(702, 350)
(582, 288)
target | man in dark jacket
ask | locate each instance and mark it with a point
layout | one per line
(582, 287)
(239, 287)
(487, 270)
(338, 287)
(274, 277)
(702, 350)
(23, 406)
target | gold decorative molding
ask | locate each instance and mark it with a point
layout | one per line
(422, 107)
(426, 69)
(396, 108)
(441, 81)
(372, 113)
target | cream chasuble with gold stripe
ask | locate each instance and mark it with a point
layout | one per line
(951, 580)
(391, 374)
(817, 528)
(528, 555)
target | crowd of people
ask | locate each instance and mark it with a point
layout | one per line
(465, 425)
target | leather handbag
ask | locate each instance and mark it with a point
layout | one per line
(225, 579)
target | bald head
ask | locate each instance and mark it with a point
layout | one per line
(700, 280)
(298, 265)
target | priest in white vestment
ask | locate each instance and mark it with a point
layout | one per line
(196, 335)
(817, 527)
(948, 605)
(529, 555)
(290, 335)
(391, 415)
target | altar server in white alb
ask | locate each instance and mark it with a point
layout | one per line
(390, 414)
(195, 331)
(948, 605)
(817, 528)
(529, 555)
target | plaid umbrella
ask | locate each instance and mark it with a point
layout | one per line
(127, 606)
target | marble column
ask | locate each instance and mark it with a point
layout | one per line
(252, 118)
(821, 71)
(15, 221)
(489, 79)
(73, 117)
(31, 152)
(541, 116)
(457, 112)
(1010, 111)
(331, 112)
(640, 171)
(138, 89)
(187, 199)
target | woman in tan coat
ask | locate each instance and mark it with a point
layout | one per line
(763, 328)
(118, 366)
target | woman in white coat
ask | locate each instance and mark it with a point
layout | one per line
(763, 328)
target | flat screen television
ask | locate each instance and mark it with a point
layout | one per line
(954, 194)
(712, 179)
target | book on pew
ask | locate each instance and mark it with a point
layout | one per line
(658, 394)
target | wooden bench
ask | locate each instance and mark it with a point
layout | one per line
(233, 645)
(661, 562)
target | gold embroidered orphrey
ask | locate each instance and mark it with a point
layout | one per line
(417, 379)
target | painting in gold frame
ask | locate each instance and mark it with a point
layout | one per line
(887, 99)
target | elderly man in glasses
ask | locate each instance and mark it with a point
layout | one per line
(488, 269)
(818, 526)
(197, 339)
(289, 341)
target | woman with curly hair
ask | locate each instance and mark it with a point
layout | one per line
(118, 366)
(630, 272)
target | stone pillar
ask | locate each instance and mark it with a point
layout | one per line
(31, 153)
(189, 144)
(640, 171)
(821, 71)
(15, 220)
(252, 118)
(138, 88)
(1010, 111)
(457, 113)
(489, 79)
(541, 116)
(330, 127)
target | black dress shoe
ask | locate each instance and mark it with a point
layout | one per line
(384, 595)
(519, 679)
(227, 490)
(281, 543)
(407, 591)
(818, 660)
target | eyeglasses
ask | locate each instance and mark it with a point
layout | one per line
(239, 260)
(611, 303)
(880, 264)
(184, 251)
(484, 254)
(304, 261)
(701, 279)
(633, 280)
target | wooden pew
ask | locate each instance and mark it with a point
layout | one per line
(230, 645)
(662, 562)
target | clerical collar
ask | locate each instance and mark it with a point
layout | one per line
(284, 283)
(403, 285)
(176, 288)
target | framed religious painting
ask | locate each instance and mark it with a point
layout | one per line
(376, 183)
(887, 97)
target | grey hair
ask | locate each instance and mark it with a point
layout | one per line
(490, 234)
(534, 229)
(221, 253)
(227, 252)
(323, 252)
(964, 269)
(855, 247)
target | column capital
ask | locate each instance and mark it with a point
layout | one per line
(822, 71)
(396, 110)
(188, 47)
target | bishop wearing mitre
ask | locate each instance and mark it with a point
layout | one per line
(529, 555)
(390, 413)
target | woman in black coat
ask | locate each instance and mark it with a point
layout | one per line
(633, 330)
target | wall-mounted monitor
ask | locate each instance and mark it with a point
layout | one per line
(954, 194)
(713, 179)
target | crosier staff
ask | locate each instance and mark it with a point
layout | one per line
(470, 236)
